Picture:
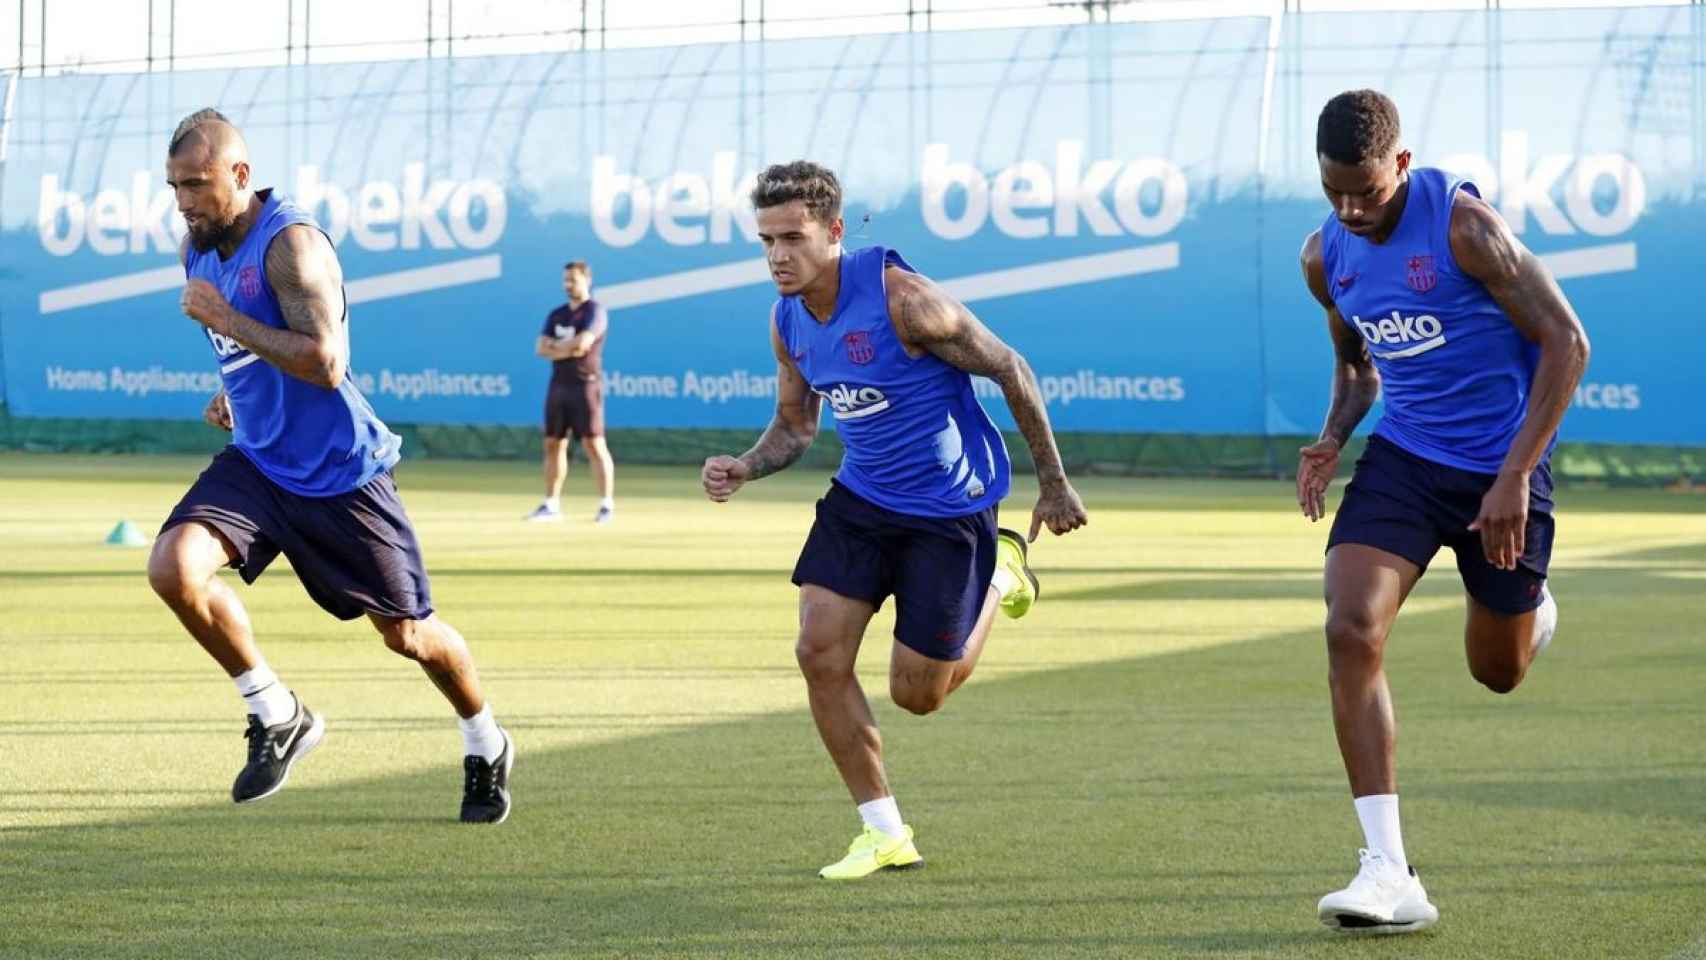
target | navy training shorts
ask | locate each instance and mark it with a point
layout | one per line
(1411, 506)
(355, 553)
(937, 568)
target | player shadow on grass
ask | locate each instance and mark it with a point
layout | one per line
(1125, 808)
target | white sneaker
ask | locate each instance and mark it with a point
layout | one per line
(544, 514)
(1545, 620)
(604, 515)
(1382, 899)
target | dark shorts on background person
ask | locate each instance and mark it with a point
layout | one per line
(1411, 506)
(355, 553)
(574, 408)
(937, 568)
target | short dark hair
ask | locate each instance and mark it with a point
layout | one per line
(580, 267)
(191, 124)
(813, 184)
(1357, 125)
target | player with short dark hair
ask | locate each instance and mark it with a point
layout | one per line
(573, 340)
(912, 511)
(1435, 305)
(307, 473)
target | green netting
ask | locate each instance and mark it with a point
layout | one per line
(1107, 453)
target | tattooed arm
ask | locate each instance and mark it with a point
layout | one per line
(928, 320)
(308, 282)
(1485, 248)
(1356, 385)
(790, 433)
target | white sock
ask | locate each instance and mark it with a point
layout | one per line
(1004, 581)
(265, 696)
(481, 736)
(1379, 816)
(884, 814)
(608, 503)
(553, 503)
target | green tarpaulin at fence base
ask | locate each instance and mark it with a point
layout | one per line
(1106, 453)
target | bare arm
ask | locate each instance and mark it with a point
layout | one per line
(794, 426)
(1485, 249)
(552, 348)
(926, 319)
(308, 282)
(1356, 383)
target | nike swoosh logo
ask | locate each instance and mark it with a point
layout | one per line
(280, 749)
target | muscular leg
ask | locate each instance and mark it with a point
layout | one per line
(1364, 588)
(556, 465)
(831, 628)
(183, 569)
(920, 684)
(603, 468)
(1499, 646)
(442, 653)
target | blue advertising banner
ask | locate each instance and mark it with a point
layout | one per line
(1124, 204)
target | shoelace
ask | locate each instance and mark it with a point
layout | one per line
(257, 737)
(481, 778)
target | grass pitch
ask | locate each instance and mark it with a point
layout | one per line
(1144, 767)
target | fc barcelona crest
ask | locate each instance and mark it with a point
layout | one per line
(1420, 273)
(859, 348)
(249, 282)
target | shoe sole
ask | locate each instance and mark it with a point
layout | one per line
(1356, 925)
(914, 865)
(305, 746)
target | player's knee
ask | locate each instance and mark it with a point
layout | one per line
(820, 661)
(168, 573)
(1353, 638)
(918, 701)
(403, 638)
(1497, 677)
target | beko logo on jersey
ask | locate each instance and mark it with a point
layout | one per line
(409, 214)
(224, 346)
(1029, 200)
(851, 403)
(1421, 333)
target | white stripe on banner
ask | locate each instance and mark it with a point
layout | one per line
(367, 289)
(976, 286)
(113, 288)
(673, 286)
(404, 282)
(1063, 273)
(1590, 261)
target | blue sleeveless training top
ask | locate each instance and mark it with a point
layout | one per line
(917, 441)
(310, 440)
(1455, 374)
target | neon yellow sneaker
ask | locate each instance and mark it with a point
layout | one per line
(1010, 554)
(874, 850)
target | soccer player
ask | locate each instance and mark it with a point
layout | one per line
(573, 340)
(1431, 299)
(307, 473)
(911, 513)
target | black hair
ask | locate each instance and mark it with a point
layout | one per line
(1356, 126)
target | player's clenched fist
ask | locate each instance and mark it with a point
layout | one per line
(203, 303)
(218, 412)
(722, 476)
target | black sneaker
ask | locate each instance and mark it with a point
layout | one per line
(272, 751)
(485, 785)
